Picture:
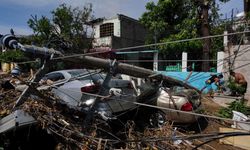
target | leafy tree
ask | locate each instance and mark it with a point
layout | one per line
(42, 28)
(170, 20)
(66, 30)
(11, 56)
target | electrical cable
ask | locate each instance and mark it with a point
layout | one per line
(229, 134)
(172, 110)
(179, 41)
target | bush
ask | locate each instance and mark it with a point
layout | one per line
(11, 56)
(236, 88)
(236, 106)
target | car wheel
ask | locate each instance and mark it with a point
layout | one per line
(157, 119)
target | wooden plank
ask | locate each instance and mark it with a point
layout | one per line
(238, 141)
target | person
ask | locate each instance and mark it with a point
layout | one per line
(240, 86)
(216, 79)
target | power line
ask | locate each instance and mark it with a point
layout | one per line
(142, 46)
(169, 109)
(195, 60)
(164, 108)
(180, 41)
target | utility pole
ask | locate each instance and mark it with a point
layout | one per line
(204, 5)
(246, 6)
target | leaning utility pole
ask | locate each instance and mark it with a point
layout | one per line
(204, 5)
(86, 61)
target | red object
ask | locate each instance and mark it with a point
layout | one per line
(187, 107)
(90, 88)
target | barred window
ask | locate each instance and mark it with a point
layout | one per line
(106, 29)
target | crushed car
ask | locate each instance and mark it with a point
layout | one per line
(78, 89)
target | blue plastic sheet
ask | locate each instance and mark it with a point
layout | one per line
(197, 79)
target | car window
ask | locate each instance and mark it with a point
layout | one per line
(93, 77)
(54, 77)
(75, 73)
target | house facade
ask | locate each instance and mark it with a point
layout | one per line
(122, 31)
(118, 32)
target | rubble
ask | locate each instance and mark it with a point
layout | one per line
(7, 101)
(66, 125)
(80, 129)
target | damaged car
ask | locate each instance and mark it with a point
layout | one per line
(73, 86)
(79, 88)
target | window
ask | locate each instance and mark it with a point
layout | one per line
(106, 29)
(77, 73)
(54, 77)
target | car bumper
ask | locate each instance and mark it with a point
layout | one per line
(185, 118)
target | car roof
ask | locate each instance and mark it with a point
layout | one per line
(67, 71)
(71, 73)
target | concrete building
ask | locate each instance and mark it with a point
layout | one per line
(118, 32)
(122, 32)
(236, 57)
(241, 64)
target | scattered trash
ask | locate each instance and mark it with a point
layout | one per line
(238, 116)
(237, 141)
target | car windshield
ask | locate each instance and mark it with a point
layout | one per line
(53, 77)
(76, 73)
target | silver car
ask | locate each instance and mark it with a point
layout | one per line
(73, 86)
(181, 99)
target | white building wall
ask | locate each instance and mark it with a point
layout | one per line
(242, 65)
(97, 31)
(220, 61)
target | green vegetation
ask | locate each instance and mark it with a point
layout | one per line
(236, 88)
(67, 30)
(11, 56)
(236, 106)
(171, 20)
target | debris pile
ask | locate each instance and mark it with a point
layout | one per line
(67, 126)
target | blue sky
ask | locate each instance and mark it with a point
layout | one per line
(15, 13)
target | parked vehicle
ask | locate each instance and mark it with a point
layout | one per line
(72, 88)
(177, 98)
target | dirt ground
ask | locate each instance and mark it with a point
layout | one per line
(213, 125)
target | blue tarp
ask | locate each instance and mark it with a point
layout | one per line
(197, 79)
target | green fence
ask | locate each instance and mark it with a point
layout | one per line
(176, 67)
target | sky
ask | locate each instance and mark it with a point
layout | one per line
(15, 13)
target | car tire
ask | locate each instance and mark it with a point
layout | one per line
(157, 119)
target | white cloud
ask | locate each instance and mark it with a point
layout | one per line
(102, 8)
(17, 30)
